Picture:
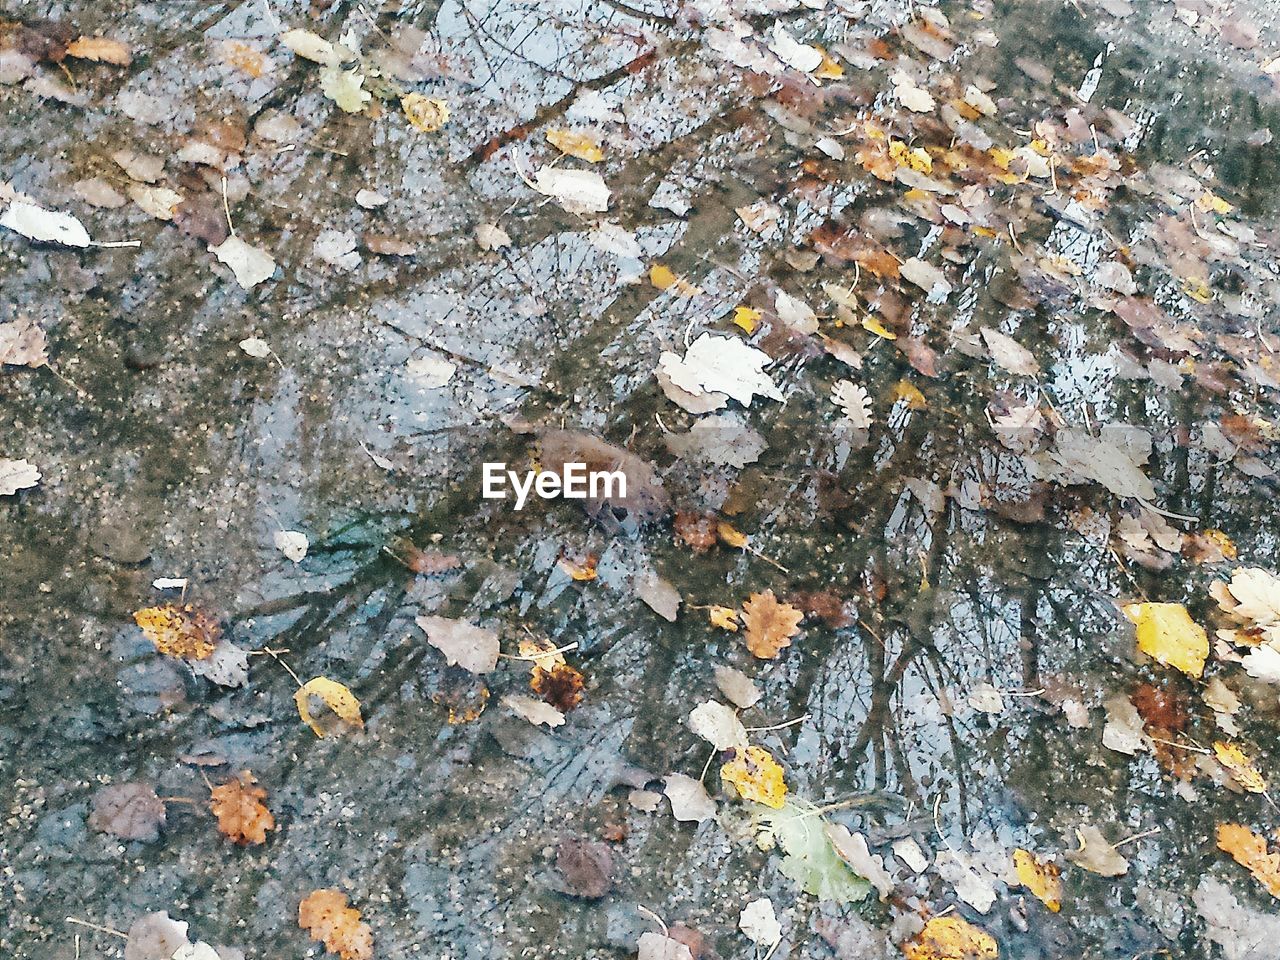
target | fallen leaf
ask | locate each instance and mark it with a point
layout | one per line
(1240, 766)
(1042, 880)
(757, 776)
(760, 923)
(251, 265)
(951, 938)
(770, 624)
(853, 400)
(560, 686)
(490, 236)
(227, 666)
(718, 725)
(852, 849)
(580, 145)
(796, 55)
(324, 914)
(535, 711)
(158, 202)
(748, 318)
(430, 372)
(1249, 849)
(179, 631)
(656, 946)
(689, 800)
(583, 570)
(100, 50)
(242, 815)
(345, 88)
(798, 829)
(17, 475)
(1010, 354)
(927, 277)
(310, 46)
(1168, 635)
(659, 594)
(472, 648)
(427, 114)
(256, 348)
(341, 703)
(1096, 854)
(130, 811)
(577, 191)
(45, 226)
(155, 936)
(726, 618)
(23, 343)
(740, 689)
(585, 868)
(724, 365)
(1243, 932)
(292, 543)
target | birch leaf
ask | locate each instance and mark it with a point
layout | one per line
(45, 226)
(251, 265)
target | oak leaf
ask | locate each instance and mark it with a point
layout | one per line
(242, 816)
(186, 632)
(325, 915)
(770, 624)
(951, 938)
(1249, 849)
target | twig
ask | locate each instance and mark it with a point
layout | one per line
(779, 726)
(274, 655)
(657, 919)
(1137, 836)
(98, 927)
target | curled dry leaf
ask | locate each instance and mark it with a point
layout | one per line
(770, 624)
(757, 777)
(184, 631)
(325, 915)
(1096, 854)
(328, 707)
(1249, 849)
(100, 50)
(242, 815)
(130, 811)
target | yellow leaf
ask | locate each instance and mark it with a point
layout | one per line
(579, 145)
(726, 618)
(730, 535)
(427, 114)
(1197, 290)
(662, 277)
(748, 318)
(1240, 766)
(584, 569)
(1041, 879)
(869, 322)
(1211, 201)
(757, 776)
(100, 49)
(333, 695)
(1168, 635)
(910, 394)
(828, 69)
(186, 631)
(951, 938)
(913, 158)
(1249, 849)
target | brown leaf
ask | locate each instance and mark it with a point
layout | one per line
(585, 868)
(23, 344)
(325, 915)
(770, 624)
(698, 530)
(560, 686)
(242, 815)
(130, 811)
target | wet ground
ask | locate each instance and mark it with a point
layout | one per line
(957, 560)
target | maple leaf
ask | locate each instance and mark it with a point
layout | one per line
(1041, 879)
(951, 938)
(325, 915)
(340, 701)
(757, 776)
(186, 632)
(242, 816)
(1249, 849)
(770, 624)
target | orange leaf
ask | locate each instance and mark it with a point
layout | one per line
(242, 816)
(325, 915)
(770, 624)
(186, 631)
(1249, 849)
(757, 776)
(1240, 766)
(730, 535)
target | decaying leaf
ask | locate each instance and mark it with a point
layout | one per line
(130, 811)
(227, 666)
(770, 624)
(242, 815)
(1042, 880)
(1096, 854)
(292, 543)
(1249, 849)
(560, 686)
(427, 114)
(951, 938)
(17, 475)
(535, 711)
(328, 707)
(757, 776)
(852, 849)
(179, 631)
(23, 343)
(345, 88)
(798, 829)
(657, 946)
(585, 868)
(1240, 766)
(473, 648)
(760, 923)
(1168, 635)
(324, 914)
(155, 936)
(577, 191)
(740, 689)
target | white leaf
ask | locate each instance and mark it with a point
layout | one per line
(655, 946)
(986, 699)
(17, 475)
(1010, 354)
(227, 666)
(155, 936)
(251, 265)
(796, 314)
(292, 544)
(337, 248)
(577, 191)
(852, 849)
(1114, 275)
(534, 710)
(158, 202)
(908, 851)
(798, 56)
(255, 347)
(170, 583)
(430, 371)
(1124, 731)
(309, 46)
(196, 951)
(1262, 662)
(472, 648)
(1257, 595)
(370, 199)
(718, 725)
(853, 400)
(47, 226)
(689, 800)
(611, 238)
(716, 364)
(662, 598)
(912, 97)
(737, 687)
(927, 277)
(760, 923)
(490, 236)
(972, 885)
(345, 88)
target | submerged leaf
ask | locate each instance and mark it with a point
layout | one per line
(340, 701)
(951, 938)
(186, 632)
(242, 816)
(757, 776)
(325, 915)
(1168, 635)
